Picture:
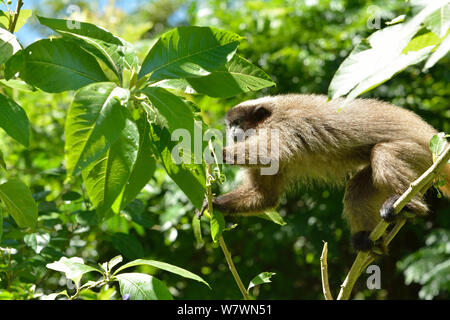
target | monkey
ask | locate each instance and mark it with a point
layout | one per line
(374, 148)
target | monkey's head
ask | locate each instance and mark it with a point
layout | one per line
(248, 115)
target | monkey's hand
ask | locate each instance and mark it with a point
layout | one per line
(198, 213)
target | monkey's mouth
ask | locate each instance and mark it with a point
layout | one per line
(236, 134)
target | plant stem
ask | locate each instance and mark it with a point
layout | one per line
(12, 27)
(233, 269)
(324, 273)
(222, 244)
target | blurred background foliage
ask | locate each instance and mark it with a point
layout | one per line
(300, 44)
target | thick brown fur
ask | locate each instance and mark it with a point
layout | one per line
(374, 147)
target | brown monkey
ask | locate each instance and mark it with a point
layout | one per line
(376, 147)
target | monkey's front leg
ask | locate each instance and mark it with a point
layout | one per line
(257, 194)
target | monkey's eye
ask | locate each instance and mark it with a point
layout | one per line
(261, 113)
(235, 123)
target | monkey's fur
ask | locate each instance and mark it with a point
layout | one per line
(377, 148)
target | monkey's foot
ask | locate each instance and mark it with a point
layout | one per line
(361, 242)
(198, 213)
(409, 211)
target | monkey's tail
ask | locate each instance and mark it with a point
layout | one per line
(446, 188)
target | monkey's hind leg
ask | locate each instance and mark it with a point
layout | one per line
(395, 165)
(362, 202)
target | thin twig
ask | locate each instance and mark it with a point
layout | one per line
(324, 273)
(419, 186)
(12, 27)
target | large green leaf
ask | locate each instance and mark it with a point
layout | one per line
(143, 168)
(381, 56)
(14, 120)
(116, 53)
(237, 76)
(94, 122)
(189, 52)
(55, 65)
(19, 202)
(106, 178)
(8, 45)
(139, 286)
(163, 266)
(190, 178)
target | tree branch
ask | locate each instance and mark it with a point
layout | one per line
(419, 186)
(324, 273)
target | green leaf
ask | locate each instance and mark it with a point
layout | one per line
(263, 277)
(127, 245)
(65, 65)
(19, 202)
(95, 121)
(217, 223)
(114, 261)
(14, 120)
(189, 175)
(437, 144)
(141, 286)
(163, 266)
(273, 216)
(237, 76)
(8, 45)
(189, 52)
(143, 169)
(107, 177)
(422, 41)
(21, 20)
(440, 52)
(37, 241)
(116, 53)
(381, 56)
(73, 268)
(190, 178)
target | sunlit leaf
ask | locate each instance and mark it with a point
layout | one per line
(263, 277)
(163, 266)
(189, 52)
(14, 120)
(95, 121)
(19, 202)
(139, 286)
(8, 45)
(65, 65)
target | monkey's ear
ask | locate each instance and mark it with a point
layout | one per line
(260, 113)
